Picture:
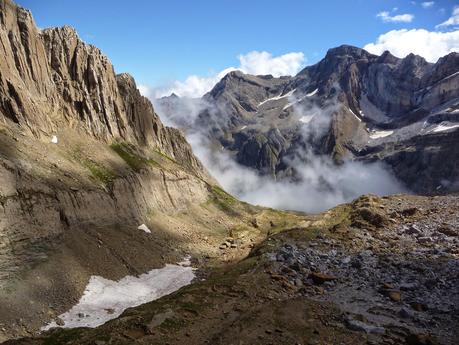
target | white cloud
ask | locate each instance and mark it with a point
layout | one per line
(252, 63)
(430, 45)
(427, 4)
(451, 21)
(399, 18)
(264, 63)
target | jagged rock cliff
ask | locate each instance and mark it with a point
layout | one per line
(350, 105)
(50, 79)
(84, 160)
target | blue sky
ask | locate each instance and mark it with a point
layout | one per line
(162, 41)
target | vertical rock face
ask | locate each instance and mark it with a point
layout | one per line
(110, 165)
(50, 79)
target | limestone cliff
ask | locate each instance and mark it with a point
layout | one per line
(84, 160)
(50, 79)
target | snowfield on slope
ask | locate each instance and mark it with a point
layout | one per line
(444, 127)
(105, 299)
(380, 134)
(276, 98)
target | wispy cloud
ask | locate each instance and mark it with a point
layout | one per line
(254, 62)
(427, 4)
(429, 44)
(451, 21)
(399, 18)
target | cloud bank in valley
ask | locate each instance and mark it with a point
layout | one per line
(319, 183)
(323, 184)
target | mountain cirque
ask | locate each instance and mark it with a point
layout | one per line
(350, 105)
(85, 161)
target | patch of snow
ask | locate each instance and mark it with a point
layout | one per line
(54, 139)
(186, 262)
(429, 87)
(288, 105)
(144, 228)
(312, 93)
(105, 299)
(276, 98)
(449, 76)
(361, 113)
(306, 118)
(442, 127)
(358, 118)
(380, 134)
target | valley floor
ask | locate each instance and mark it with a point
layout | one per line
(376, 271)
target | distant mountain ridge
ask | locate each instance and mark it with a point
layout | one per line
(404, 112)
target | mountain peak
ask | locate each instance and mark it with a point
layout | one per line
(388, 58)
(347, 50)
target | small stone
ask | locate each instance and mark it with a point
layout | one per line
(419, 339)
(408, 286)
(405, 313)
(418, 306)
(413, 230)
(360, 326)
(409, 212)
(446, 230)
(60, 322)
(319, 290)
(395, 296)
(320, 278)
(424, 239)
(387, 286)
